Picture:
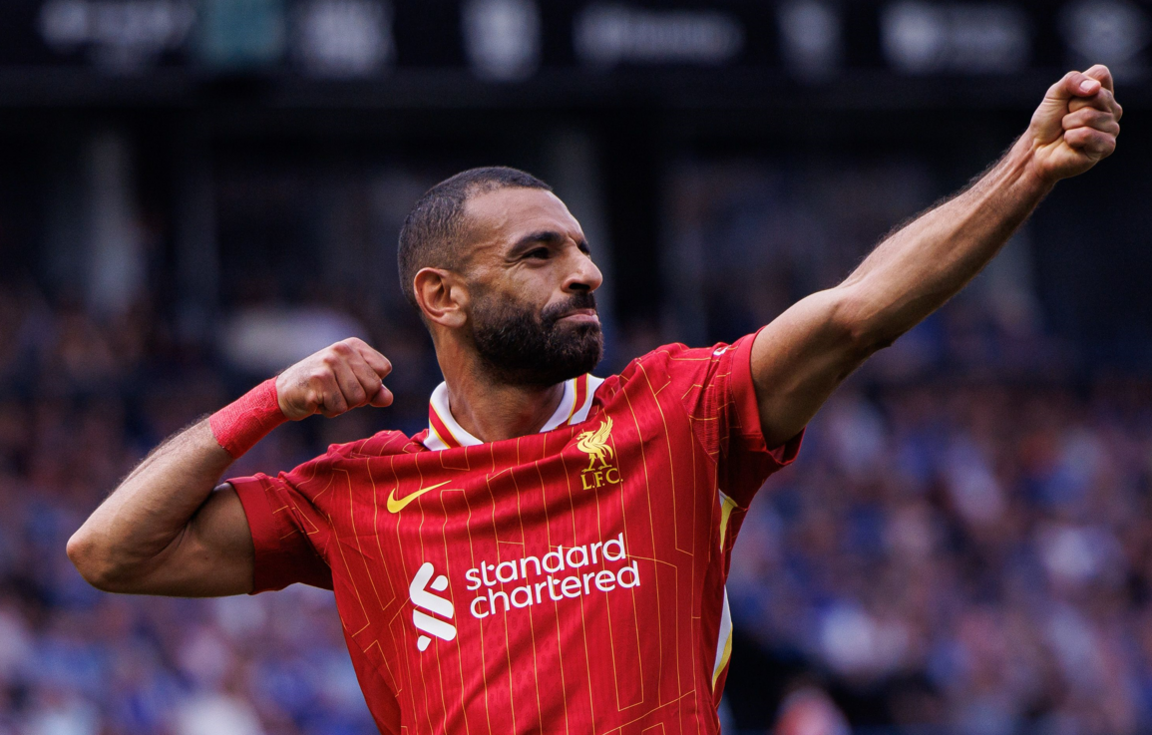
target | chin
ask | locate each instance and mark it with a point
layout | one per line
(580, 330)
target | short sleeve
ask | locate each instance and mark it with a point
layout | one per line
(714, 385)
(289, 534)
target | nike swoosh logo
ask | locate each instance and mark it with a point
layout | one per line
(395, 506)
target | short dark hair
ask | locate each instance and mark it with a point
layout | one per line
(433, 229)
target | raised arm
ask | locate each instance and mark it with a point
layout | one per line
(804, 354)
(168, 529)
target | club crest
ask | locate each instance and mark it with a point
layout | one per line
(601, 470)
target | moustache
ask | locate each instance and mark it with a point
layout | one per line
(583, 300)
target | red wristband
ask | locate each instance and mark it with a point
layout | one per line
(239, 425)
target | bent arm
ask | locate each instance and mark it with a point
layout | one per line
(802, 356)
(169, 530)
(165, 530)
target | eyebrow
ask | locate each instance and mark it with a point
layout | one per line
(542, 237)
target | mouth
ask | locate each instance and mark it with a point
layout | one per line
(580, 316)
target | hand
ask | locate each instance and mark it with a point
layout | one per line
(1076, 125)
(334, 380)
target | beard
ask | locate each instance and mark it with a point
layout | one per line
(519, 346)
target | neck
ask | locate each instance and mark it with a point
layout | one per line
(491, 410)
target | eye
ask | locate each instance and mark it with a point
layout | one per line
(538, 254)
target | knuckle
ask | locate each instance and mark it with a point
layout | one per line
(342, 349)
(1096, 119)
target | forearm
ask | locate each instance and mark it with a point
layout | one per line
(922, 265)
(146, 515)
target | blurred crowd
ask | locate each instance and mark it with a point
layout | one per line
(83, 400)
(977, 555)
(965, 543)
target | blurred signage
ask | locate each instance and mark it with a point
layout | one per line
(342, 38)
(607, 35)
(509, 41)
(239, 34)
(502, 38)
(811, 38)
(985, 38)
(117, 35)
(1111, 32)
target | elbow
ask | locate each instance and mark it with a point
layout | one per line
(861, 326)
(92, 562)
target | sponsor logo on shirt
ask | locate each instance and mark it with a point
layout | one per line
(561, 574)
(601, 470)
(426, 601)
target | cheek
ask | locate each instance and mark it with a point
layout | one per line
(532, 287)
(496, 303)
(523, 288)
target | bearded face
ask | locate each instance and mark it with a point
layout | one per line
(522, 346)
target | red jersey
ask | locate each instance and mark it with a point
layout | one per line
(570, 581)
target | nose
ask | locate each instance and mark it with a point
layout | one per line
(584, 275)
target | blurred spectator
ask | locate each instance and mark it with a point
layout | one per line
(810, 711)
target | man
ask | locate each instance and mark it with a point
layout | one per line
(550, 554)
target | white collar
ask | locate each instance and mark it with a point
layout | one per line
(444, 432)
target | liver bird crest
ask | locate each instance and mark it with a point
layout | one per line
(595, 444)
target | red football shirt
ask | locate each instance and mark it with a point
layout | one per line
(570, 581)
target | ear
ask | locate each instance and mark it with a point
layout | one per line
(442, 297)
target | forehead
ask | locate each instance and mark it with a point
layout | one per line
(504, 216)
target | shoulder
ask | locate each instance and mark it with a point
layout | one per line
(693, 373)
(677, 358)
(381, 444)
(317, 472)
(664, 357)
(674, 363)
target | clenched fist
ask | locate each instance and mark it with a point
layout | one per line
(1076, 125)
(338, 378)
